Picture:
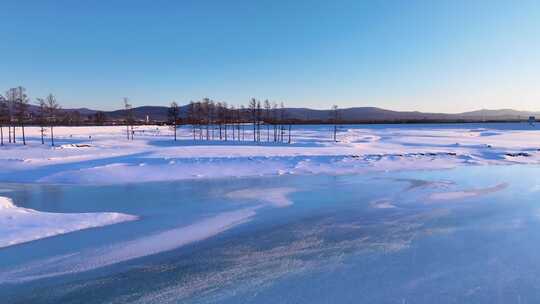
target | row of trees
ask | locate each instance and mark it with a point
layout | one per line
(15, 113)
(209, 120)
(212, 120)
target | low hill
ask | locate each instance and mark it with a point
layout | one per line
(355, 114)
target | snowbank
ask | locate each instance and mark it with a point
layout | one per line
(20, 225)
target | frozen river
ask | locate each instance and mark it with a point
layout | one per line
(468, 234)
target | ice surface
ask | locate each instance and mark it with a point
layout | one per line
(414, 237)
(274, 196)
(120, 252)
(455, 195)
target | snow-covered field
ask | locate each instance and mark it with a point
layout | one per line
(102, 155)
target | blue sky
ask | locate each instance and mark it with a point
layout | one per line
(443, 56)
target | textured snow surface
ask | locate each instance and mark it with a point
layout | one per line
(102, 155)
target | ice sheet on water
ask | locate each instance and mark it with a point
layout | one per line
(277, 197)
(467, 193)
(124, 251)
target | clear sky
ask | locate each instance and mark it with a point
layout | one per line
(433, 55)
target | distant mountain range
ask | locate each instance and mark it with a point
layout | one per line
(356, 114)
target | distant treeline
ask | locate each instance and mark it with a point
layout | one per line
(205, 116)
(209, 119)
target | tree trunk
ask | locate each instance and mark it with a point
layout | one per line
(52, 135)
(289, 134)
(42, 140)
(23, 138)
(1, 135)
(175, 131)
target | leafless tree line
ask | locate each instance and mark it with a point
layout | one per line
(211, 120)
(14, 113)
(130, 119)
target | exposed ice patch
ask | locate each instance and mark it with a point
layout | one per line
(382, 204)
(466, 193)
(275, 196)
(20, 225)
(419, 183)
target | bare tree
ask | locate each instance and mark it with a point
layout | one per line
(241, 123)
(174, 112)
(253, 109)
(281, 118)
(206, 115)
(11, 98)
(21, 109)
(52, 108)
(232, 119)
(335, 119)
(199, 114)
(290, 126)
(190, 116)
(274, 120)
(219, 113)
(4, 116)
(129, 118)
(211, 116)
(259, 117)
(225, 117)
(267, 109)
(41, 117)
